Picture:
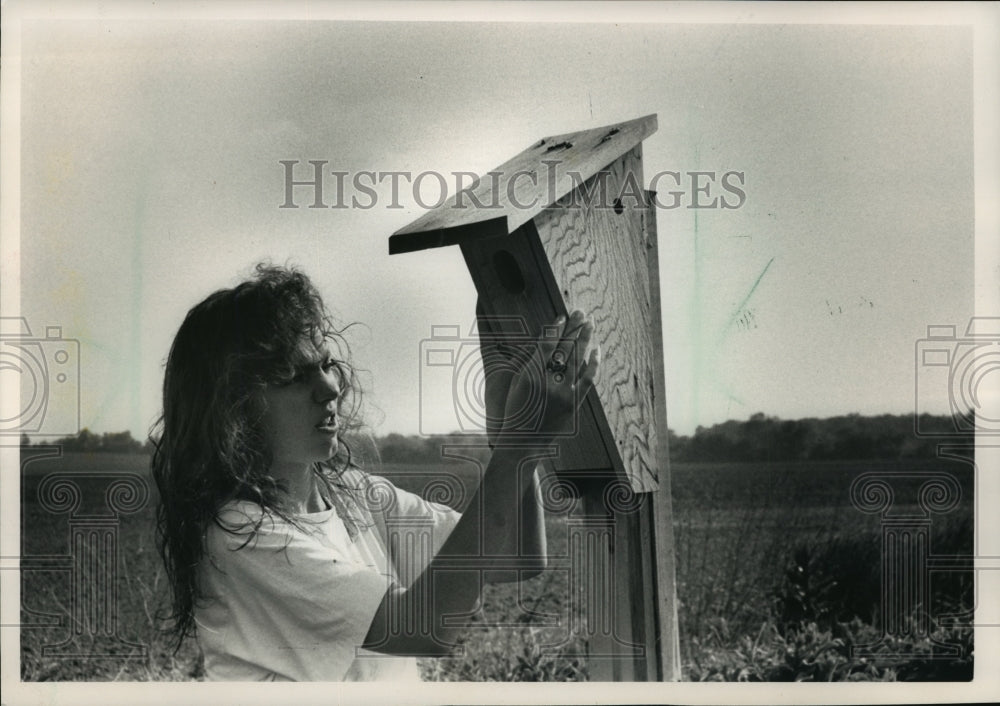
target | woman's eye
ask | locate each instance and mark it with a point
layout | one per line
(293, 377)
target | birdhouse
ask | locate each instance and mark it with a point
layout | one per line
(567, 224)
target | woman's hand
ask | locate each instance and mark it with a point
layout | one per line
(543, 383)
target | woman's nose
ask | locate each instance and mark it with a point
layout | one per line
(327, 388)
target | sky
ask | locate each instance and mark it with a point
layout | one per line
(150, 176)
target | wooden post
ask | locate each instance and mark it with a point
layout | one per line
(662, 535)
(569, 223)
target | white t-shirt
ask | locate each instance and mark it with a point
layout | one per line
(296, 603)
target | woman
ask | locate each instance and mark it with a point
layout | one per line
(285, 559)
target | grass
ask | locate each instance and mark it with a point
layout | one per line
(777, 578)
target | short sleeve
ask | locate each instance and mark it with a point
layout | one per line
(415, 529)
(294, 605)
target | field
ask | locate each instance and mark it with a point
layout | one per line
(779, 574)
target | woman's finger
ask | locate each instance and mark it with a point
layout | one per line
(581, 346)
(563, 354)
(549, 340)
(588, 373)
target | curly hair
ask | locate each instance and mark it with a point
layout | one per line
(210, 443)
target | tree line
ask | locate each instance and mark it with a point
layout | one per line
(851, 436)
(86, 441)
(759, 438)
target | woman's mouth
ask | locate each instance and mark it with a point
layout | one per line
(328, 425)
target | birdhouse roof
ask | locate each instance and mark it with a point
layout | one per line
(522, 187)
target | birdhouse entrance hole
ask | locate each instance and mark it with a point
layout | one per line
(508, 272)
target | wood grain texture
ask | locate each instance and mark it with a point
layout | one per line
(598, 257)
(524, 186)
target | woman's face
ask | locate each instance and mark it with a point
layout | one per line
(300, 421)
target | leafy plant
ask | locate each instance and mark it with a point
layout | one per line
(508, 654)
(808, 653)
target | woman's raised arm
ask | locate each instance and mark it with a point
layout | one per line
(504, 523)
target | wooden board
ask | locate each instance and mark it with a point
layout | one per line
(525, 185)
(616, 581)
(660, 531)
(598, 257)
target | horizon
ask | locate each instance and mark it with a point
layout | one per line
(458, 432)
